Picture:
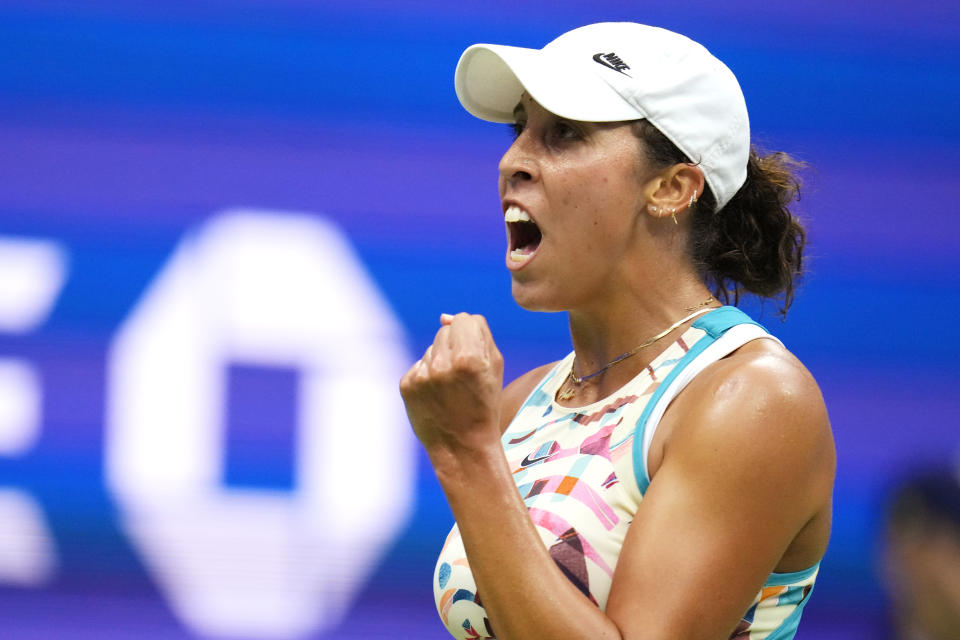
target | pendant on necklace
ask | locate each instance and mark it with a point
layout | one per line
(566, 394)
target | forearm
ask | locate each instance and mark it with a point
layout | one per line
(523, 591)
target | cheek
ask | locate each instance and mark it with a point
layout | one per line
(602, 192)
(614, 196)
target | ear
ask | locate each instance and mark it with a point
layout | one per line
(673, 190)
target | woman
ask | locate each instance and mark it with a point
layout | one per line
(671, 477)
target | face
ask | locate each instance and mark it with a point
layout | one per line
(923, 578)
(571, 195)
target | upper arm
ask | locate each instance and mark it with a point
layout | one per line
(748, 463)
(515, 393)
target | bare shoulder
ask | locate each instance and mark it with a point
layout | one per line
(517, 391)
(762, 375)
(763, 379)
(751, 436)
(758, 406)
(742, 488)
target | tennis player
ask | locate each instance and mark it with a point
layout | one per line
(670, 478)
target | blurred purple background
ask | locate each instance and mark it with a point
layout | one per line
(127, 128)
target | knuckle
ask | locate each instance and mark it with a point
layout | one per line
(435, 370)
(414, 379)
(467, 362)
(442, 371)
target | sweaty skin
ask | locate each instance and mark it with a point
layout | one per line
(742, 465)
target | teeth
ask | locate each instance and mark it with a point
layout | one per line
(517, 256)
(516, 214)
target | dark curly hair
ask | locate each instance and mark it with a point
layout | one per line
(754, 244)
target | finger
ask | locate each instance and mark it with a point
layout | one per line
(408, 379)
(485, 335)
(484, 330)
(449, 318)
(474, 328)
(441, 341)
(467, 340)
(438, 355)
(414, 368)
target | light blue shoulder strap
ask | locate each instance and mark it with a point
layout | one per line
(715, 324)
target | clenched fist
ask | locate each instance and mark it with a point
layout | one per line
(453, 392)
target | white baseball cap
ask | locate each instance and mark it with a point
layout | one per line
(618, 71)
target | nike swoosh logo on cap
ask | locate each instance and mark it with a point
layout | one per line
(612, 61)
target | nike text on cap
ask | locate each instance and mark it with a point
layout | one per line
(615, 71)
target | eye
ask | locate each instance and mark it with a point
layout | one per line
(563, 130)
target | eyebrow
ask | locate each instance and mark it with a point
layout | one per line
(518, 110)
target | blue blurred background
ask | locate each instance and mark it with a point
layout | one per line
(136, 137)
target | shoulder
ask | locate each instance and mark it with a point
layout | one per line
(759, 385)
(517, 391)
(761, 379)
(756, 413)
(742, 489)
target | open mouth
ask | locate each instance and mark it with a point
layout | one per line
(523, 234)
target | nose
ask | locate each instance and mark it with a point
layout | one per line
(517, 164)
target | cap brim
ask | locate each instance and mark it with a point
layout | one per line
(490, 79)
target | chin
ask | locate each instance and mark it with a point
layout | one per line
(528, 297)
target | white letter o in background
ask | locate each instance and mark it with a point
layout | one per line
(270, 289)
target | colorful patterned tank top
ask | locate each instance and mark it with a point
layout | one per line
(582, 473)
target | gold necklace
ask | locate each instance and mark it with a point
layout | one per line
(578, 380)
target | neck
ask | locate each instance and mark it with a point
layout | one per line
(623, 323)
